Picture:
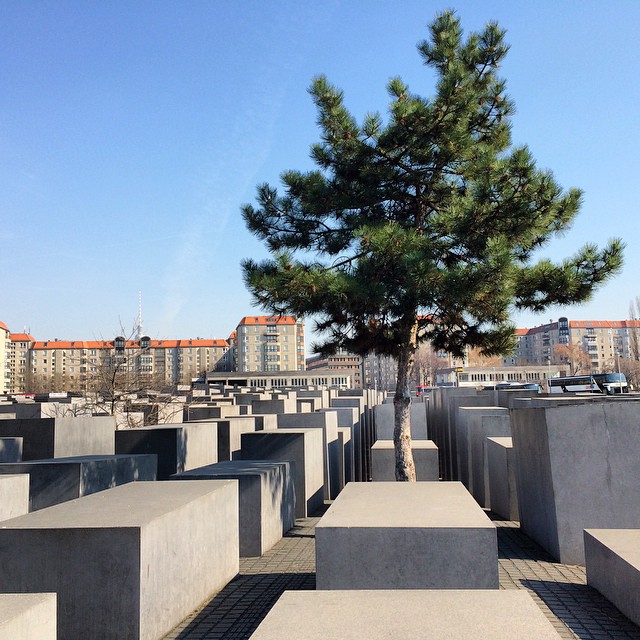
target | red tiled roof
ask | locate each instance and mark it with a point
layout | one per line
(21, 337)
(583, 324)
(603, 324)
(4, 326)
(130, 344)
(267, 320)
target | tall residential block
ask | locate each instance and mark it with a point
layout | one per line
(269, 343)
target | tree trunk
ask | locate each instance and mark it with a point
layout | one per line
(405, 468)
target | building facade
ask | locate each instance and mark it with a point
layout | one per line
(273, 344)
(595, 346)
(260, 343)
(269, 343)
(350, 364)
(57, 365)
(5, 358)
(20, 354)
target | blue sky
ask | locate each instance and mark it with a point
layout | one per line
(132, 132)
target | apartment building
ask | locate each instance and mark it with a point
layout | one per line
(348, 363)
(598, 343)
(269, 343)
(5, 358)
(72, 365)
(260, 343)
(21, 345)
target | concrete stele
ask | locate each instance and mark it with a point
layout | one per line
(61, 479)
(179, 447)
(577, 468)
(425, 458)
(613, 567)
(501, 469)
(302, 447)
(398, 535)
(62, 437)
(14, 496)
(10, 449)
(136, 559)
(28, 616)
(266, 499)
(383, 415)
(328, 423)
(384, 614)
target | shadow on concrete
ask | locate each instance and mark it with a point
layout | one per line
(236, 612)
(513, 544)
(584, 611)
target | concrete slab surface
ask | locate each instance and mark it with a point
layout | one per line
(399, 535)
(28, 616)
(405, 615)
(576, 611)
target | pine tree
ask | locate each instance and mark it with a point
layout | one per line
(423, 226)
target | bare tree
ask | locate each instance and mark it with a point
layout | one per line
(634, 329)
(426, 365)
(574, 355)
(631, 370)
(476, 359)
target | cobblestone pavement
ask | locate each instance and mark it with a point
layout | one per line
(575, 609)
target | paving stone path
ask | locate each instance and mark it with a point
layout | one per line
(575, 609)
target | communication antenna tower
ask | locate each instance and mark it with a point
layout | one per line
(139, 321)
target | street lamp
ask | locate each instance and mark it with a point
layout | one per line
(548, 373)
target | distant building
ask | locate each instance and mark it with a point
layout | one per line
(280, 379)
(274, 344)
(21, 345)
(259, 343)
(57, 365)
(5, 358)
(269, 343)
(343, 361)
(490, 376)
(603, 341)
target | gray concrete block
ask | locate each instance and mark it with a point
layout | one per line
(399, 535)
(14, 496)
(274, 405)
(349, 417)
(346, 459)
(304, 448)
(62, 437)
(266, 421)
(28, 616)
(473, 425)
(11, 449)
(134, 560)
(501, 469)
(362, 428)
(61, 479)
(425, 458)
(328, 423)
(383, 415)
(307, 405)
(577, 468)
(613, 567)
(179, 447)
(385, 614)
(247, 398)
(443, 415)
(266, 499)
(321, 394)
(30, 410)
(193, 412)
(230, 435)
